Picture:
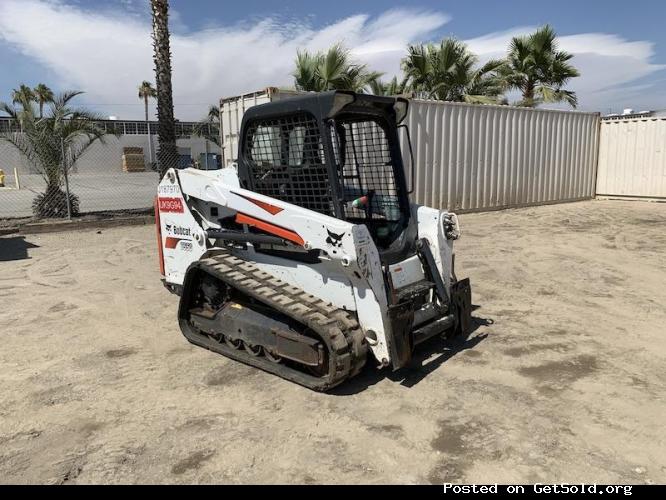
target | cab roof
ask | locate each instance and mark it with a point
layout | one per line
(327, 105)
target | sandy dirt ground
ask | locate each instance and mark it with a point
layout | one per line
(562, 380)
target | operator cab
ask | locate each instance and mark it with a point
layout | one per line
(336, 153)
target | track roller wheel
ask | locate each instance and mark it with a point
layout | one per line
(234, 344)
(253, 350)
(273, 358)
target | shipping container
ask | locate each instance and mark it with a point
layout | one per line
(632, 158)
(476, 157)
(482, 157)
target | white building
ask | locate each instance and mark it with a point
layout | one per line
(106, 157)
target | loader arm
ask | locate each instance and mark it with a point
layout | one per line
(349, 260)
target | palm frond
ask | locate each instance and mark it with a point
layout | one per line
(61, 100)
(550, 94)
(331, 70)
(9, 110)
(334, 68)
(23, 96)
(20, 143)
(41, 139)
(482, 99)
(377, 87)
(305, 72)
(146, 90)
(213, 113)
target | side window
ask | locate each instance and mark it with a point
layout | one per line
(286, 142)
(296, 146)
(285, 160)
(365, 166)
(264, 150)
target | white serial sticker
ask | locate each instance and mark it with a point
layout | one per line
(168, 189)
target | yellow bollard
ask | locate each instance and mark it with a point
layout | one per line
(2, 178)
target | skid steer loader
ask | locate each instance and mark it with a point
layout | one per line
(306, 255)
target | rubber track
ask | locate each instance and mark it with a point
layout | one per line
(337, 328)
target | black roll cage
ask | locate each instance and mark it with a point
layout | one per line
(327, 112)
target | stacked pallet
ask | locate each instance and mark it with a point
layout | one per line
(133, 160)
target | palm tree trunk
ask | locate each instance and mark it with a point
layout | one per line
(528, 94)
(167, 154)
(41, 109)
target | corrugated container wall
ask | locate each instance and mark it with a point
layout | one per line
(231, 115)
(632, 158)
(477, 157)
(480, 157)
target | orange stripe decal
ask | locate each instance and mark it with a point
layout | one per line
(171, 242)
(270, 228)
(271, 209)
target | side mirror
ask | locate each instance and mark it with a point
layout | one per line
(412, 179)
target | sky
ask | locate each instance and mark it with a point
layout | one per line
(224, 48)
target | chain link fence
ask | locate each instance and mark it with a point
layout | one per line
(114, 176)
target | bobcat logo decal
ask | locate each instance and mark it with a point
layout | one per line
(334, 239)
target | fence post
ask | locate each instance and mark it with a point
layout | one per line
(64, 169)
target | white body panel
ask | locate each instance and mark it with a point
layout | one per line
(432, 226)
(322, 280)
(178, 232)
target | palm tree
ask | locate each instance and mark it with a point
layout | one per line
(42, 94)
(213, 113)
(209, 127)
(147, 91)
(52, 144)
(539, 70)
(167, 155)
(331, 70)
(23, 96)
(450, 72)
